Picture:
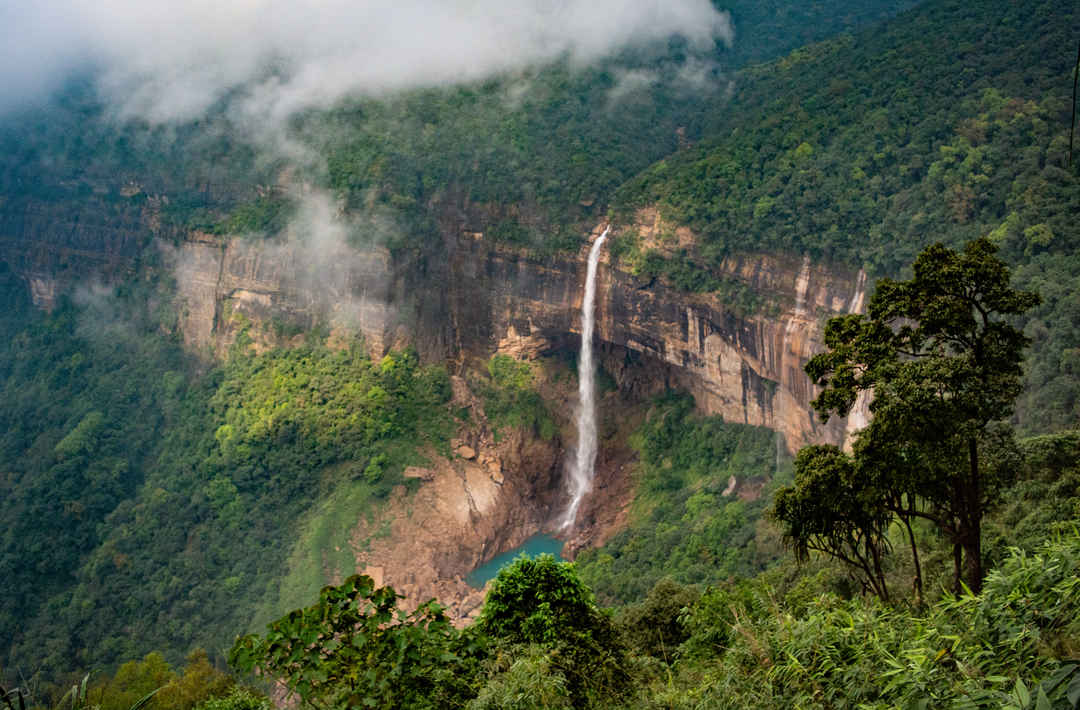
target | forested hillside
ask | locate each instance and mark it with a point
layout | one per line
(544, 147)
(177, 491)
(831, 626)
(158, 499)
(947, 124)
(162, 486)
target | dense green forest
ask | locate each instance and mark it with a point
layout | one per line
(542, 642)
(176, 489)
(175, 499)
(820, 632)
(686, 523)
(949, 124)
(692, 629)
(789, 636)
(543, 148)
(156, 502)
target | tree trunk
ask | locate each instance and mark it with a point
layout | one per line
(879, 575)
(971, 534)
(973, 571)
(917, 582)
(956, 558)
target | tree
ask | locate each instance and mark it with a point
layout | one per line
(134, 681)
(654, 626)
(539, 600)
(834, 510)
(942, 365)
(200, 682)
(237, 699)
(355, 648)
(543, 603)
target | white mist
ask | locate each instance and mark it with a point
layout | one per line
(581, 467)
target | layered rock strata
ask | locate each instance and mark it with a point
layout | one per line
(472, 298)
(275, 289)
(465, 299)
(745, 367)
(491, 494)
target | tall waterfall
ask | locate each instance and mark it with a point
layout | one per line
(581, 469)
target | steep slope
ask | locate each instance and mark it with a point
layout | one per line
(545, 148)
(452, 221)
(949, 123)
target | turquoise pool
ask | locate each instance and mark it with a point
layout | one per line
(535, 545)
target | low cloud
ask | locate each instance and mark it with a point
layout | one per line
(166, 61)
(693, 75)
(169, 61)
(311, 272)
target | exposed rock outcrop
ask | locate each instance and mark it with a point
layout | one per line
(486, 497)
(462, 301)
(55, 247)
(470, 298)
(281, 288)
(747, 368)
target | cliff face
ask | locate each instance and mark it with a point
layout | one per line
(474, 298)
(276, 290)
(54, 246)
(461, 302)
(747, 368)
(491, 494)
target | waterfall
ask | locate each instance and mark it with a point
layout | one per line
(581, 468)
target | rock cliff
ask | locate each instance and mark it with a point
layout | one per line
(745, 367)
(491, 495)
(275, 289)
(469, 299)
(54, 246)
(485, 298)
(462, 301)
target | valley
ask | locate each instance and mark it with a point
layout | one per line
(249, 358)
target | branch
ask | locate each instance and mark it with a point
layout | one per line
(912, 353)
(838, 554)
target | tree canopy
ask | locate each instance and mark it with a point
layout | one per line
(356, 648)
(543, 603)
(942, 363)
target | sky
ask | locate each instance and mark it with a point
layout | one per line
(170, 60)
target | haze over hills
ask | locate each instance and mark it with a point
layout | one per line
(286, 305)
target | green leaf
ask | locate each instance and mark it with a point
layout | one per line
(1059, 676)
(1022, 693)
(1043, 702)
(1073, 693)
(145, 699)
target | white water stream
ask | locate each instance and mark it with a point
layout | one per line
(581, 467)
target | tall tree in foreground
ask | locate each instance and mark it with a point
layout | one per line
(942, 365)
(835, 509)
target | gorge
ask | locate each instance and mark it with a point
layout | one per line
(400, 331)
(477, 299)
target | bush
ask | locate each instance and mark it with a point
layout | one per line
(655, 627)
(970, 651)
(237, 699)
(356, 648)
(511, 399)
(542, 602)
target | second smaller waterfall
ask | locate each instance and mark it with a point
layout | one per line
(581, 467)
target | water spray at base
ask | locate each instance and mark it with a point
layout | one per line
(581, 467)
